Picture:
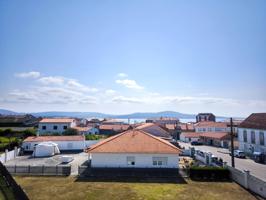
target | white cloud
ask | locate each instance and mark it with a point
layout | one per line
(67, 83)
(28, 75)
(47, 80)
(132, 84)
(122, 75)
(110, 92)
(122, 99)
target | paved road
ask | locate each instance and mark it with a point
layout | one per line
(256, 169)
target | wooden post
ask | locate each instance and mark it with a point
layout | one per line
(232, 143)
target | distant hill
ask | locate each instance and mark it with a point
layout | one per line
(7, 112)
(137, 115)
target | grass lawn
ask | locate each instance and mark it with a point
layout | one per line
(68, 188)
(6, 192)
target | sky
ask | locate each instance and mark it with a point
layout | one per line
(121, 57)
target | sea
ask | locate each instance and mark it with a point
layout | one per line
(183, 120)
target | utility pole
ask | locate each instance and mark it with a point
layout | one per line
(232, 143)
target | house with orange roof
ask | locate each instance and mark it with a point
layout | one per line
(210, 126)
(55, 125)
(134, 149)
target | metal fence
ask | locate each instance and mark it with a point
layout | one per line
(58, 170)
(10, 182)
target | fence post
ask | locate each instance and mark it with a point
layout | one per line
(246, 176)
(15, 152)
(42, 169)
(15, 168)
(28, 169)
(56, 169)
(6, 151)
(224, 164)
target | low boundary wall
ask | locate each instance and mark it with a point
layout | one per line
(248, 181)
(58, 170)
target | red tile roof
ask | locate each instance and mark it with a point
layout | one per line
(153, 129)
(186, 126)
(215, 135)
(57, 120)
(134, 141)
(255, 121)
(54, 138)
(211, 124)
(115, 127)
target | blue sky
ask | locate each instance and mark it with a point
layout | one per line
(133, 56)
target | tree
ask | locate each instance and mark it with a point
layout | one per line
(70, 131)
(29, 132)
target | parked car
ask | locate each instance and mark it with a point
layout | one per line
(196, 143)
(259, 157)
(239, 154)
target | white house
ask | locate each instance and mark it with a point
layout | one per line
(210, 126)
(252, 133)
(55, 125)
(73, 142)
(189, 136)
(134, 149)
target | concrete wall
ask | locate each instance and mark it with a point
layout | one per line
(141, 160)
(9, 155)
(247, 146)
(248, 181)
(50, 127)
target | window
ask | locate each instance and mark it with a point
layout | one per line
(65, 127)
(252, 137)
(55, 127)
(43, 127)
(159, 161)
(245, 136)
(130, 160)
(262, 138)
(204, 129)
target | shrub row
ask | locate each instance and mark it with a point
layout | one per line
(209, 173)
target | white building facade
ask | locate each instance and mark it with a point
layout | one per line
(56, 125)
(252, 140)
(131, 160)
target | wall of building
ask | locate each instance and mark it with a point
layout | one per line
(141, 160)
(211, 129)
(185, 139)
(62, 145)
(50, 127)
(248, 146)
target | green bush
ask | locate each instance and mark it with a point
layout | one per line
(70, 131)
(29, 132)
(92, 137)
(209, 173)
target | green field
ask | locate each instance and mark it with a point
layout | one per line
(62, 188)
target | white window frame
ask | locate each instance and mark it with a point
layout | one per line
(159, 161)
(131, 161)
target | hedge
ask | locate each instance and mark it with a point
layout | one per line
(209, 173)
